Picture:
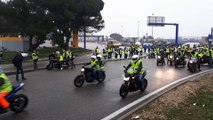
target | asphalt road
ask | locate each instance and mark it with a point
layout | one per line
(53, 96)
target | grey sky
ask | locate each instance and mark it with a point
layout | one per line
(195, 17)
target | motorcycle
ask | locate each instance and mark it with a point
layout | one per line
(17, 102)
(193, 65)
(170, 60)
(151, 55)
(180, 61)
(56, 64)
(88, 75)
(160, 59)
(131, 84)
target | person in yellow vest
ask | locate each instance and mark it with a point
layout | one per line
(195, 54)
(60, 59)
(5, 89)
(71, 58)
(126, 52)
(95, 67)
(105, 54)
(97, 51)
(136, 68)
(35, 59)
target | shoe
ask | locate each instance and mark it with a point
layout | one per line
(17, 80)
(23, 78)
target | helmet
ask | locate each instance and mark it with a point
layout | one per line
(93, 57)
(57, 52)
(135, 57)
(99, 56)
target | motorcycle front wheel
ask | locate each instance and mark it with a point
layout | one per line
(79, 81)
(144, 85)
(18, 103)
(124, 90)
(102, 77)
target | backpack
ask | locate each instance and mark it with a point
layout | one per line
(14, 60)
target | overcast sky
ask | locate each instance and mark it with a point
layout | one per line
(195, 17)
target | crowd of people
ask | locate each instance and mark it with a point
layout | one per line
(97, 63)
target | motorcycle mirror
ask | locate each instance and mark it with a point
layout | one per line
(124, 66)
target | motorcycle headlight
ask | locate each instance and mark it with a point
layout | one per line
(125, 78)
(170, 56)
(159, 57)
(190, 61)
(177, 58)
(82, 69)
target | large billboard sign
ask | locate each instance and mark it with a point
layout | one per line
(155, 21)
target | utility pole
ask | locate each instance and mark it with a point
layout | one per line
(138, 28)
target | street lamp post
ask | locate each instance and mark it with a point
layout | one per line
(138, 28)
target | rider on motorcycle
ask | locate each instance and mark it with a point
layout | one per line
(137, 68)
(180, 53)
(194, 54)
(100, 62)
(5, 89)
(94, 65)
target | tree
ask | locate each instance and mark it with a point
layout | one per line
(88, 17)
(116, 36)
(31, 20)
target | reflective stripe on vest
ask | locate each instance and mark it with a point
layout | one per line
(61, 58)
(136, 65)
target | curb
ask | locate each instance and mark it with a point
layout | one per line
(134, 106)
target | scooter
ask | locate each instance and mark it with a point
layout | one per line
(132, 84)
(17, 102)
(88, 75)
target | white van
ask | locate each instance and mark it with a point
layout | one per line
(191, 44)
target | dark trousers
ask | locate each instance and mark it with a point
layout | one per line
(35, 64)
(125, 56)
(18, 70)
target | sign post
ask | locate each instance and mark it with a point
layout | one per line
(159, 21)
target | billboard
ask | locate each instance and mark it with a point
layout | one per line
(155, 21)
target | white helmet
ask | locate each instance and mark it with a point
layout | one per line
(93, 57)
(135, 57)
(57, 52)
(99, 56)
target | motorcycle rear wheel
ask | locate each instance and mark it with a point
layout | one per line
(49, 67)
(102, 77)
(19, 103)
(79, 81)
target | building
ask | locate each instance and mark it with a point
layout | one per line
(14, 44)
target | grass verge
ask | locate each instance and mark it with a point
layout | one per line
(191, 101)
(43, 53)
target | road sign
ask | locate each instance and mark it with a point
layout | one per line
(155, 21)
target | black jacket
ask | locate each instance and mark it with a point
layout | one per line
(17, 60)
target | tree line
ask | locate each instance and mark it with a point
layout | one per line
(55, 20)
